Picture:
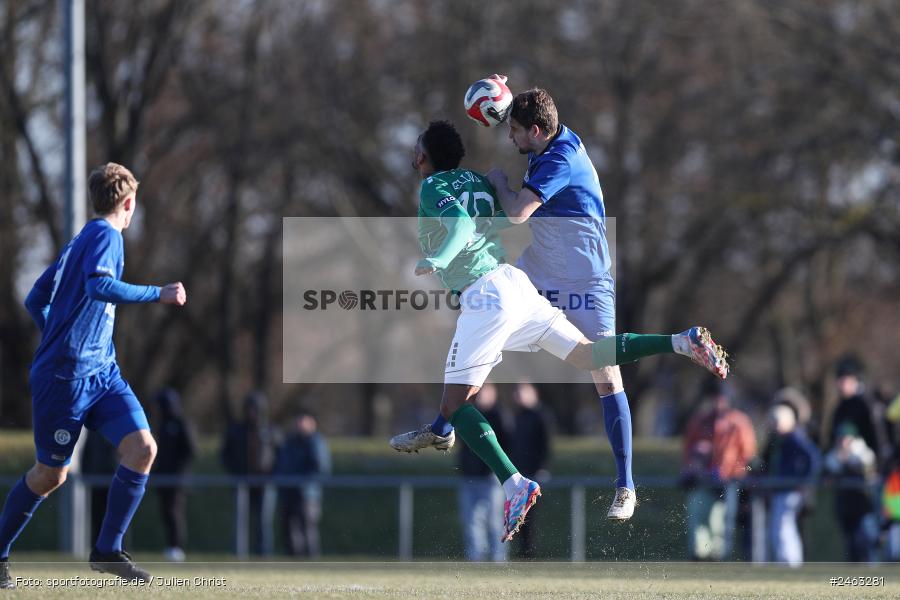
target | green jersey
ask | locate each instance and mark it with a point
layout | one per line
(460, 194)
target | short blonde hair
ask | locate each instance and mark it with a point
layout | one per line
(109, 185)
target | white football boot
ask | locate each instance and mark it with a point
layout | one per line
(413, 441)
(517, 507)
(697, 344)
(623, 505)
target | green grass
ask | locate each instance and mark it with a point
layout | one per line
(454, 580)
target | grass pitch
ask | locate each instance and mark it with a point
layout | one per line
(459, 580)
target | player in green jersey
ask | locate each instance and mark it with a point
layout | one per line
(500, 309)
(467, 196)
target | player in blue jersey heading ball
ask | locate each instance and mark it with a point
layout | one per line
(561, 200)
(75, 380)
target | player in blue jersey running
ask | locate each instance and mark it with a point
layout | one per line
(562, 201)
(75, 380)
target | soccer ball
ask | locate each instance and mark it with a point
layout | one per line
(488, 101)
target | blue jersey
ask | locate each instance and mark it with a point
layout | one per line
(74, 304)
(569, 249)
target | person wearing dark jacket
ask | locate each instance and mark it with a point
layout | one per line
(791, 455)
(249, 449)
(856, 407)
(480, 499)
(853, 463)
(530, 451)
(304, 452)
(176, 450)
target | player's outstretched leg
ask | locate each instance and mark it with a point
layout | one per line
(696, 343)
(125, 493)
(438, 435)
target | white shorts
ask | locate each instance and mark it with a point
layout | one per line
(504, 311)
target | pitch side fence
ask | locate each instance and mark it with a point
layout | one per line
(74, 521)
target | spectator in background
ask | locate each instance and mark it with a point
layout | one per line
(530, 451)
(890, 507)
(852, 461)
(176, 450)
(799, 403)
(788, 454)
(304, 452)
(719, 443)
(892, 415)
(98, 457)
(858, 409)
(480, 499)
(249, 449)
(884, 399)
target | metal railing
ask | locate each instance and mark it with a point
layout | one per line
(75, 523)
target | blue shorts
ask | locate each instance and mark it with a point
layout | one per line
(589, 305)
(101, 402)
(595, 317)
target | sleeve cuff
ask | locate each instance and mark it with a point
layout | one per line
(536, 191)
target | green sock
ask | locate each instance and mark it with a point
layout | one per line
(478, 435)
(629, 347)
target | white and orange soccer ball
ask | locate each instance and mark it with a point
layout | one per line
(488, 101)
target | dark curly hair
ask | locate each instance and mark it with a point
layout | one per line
(443, 145)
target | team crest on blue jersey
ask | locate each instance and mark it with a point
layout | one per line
(62, 437)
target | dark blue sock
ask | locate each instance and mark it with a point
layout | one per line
(17, 511)
(441, 427)
(617, 417)
(125, 493)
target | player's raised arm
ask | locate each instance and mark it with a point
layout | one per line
(517, 206)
